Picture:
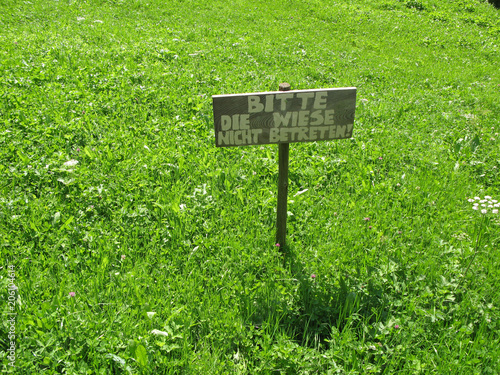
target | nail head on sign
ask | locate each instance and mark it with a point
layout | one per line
(284, 86)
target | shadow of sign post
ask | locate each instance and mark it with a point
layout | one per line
(283, 117)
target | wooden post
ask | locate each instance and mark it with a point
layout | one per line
(281, 212)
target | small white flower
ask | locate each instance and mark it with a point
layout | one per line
(470, 200)
(483, 201)
(484, 211)
(494, 200)
(71, 163)
(487, 197)
(477, 198)
(158, 332)
(495, 211)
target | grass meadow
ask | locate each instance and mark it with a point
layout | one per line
(130, 244)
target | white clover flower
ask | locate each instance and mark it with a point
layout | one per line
(159, 333)
(71, 163)
(485, 204)
(480, 224)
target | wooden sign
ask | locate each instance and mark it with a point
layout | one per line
(284, 116)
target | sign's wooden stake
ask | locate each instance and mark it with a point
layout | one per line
(281, 212)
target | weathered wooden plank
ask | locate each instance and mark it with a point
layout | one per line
(284, 116)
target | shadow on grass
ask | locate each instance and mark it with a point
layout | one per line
(322, 305)
(495, 3)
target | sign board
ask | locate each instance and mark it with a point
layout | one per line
(284, 116)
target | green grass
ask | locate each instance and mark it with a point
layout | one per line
(157, 229)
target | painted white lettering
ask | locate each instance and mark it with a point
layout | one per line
(236, 122)
(223, 138)
(246, 136)
(254, 104)
(274, 135)
(295, 116)
(245, 121)
(329, 117)
(303, 118)
(317, 118)
(225, 122)
(283, 98)
(270, 103)
(280, 120)
(302, 136)
(313, 133)
(295, 134)
(237, 140)
(333, 132)
(305, 96)
(348, 133)
(284, 135)
(341, 131)
(320, 100)
(255, 135)
(323, 130)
